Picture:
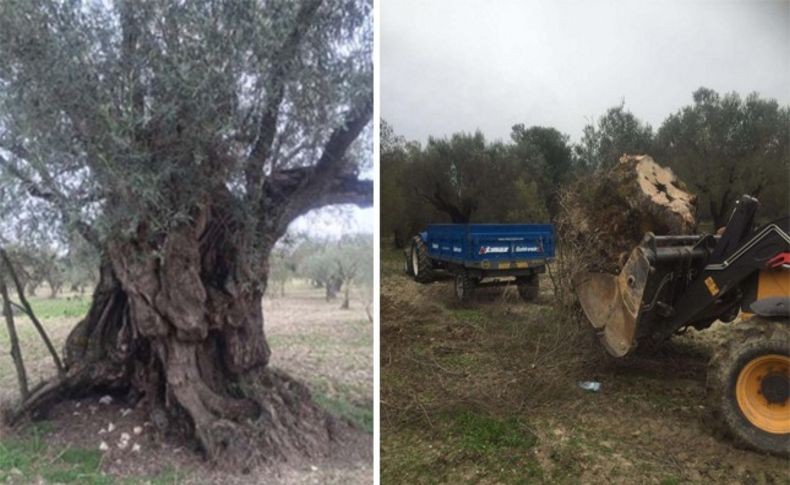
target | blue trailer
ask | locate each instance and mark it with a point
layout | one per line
(483, 255)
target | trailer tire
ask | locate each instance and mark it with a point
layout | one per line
(421, 266)
(528, 286)
(407, 261)
(736, 384)
(464, 286)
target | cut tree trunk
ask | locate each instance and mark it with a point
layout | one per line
(604, 216)
(177, 326)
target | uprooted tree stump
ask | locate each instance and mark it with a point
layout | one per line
(605, 215)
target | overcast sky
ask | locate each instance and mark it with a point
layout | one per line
(460, 65)
(335, 221)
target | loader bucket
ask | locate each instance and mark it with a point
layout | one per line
(612, 303)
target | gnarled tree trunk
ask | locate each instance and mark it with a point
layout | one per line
(177, 326)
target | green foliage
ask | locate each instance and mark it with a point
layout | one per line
(27, 457)
(725, 146)
(721, 146)
(464, 178)
(338, 265)
(485, 434)
(284, 260)
(124, 116)
(616, 133)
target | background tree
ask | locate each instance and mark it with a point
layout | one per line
(548, 163)
(464, 178)
(337, 264)
(353, 258)
(402, 212)
(617, 132)
(725, 146)
(281, 268)
(53, 272)
(22, 259)
(453, 175)
(316, 266)
(722, 146)
(79, 264)
(180, 139)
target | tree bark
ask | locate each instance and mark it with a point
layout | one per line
(606, 215)
(179, 327)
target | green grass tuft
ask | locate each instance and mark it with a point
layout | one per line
(29, 459)
(360, 415)
(483, 434)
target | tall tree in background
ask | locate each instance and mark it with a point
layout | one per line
(180, 139)
(548, 161)
(617, 132)
(403, 213)
(452, 175)
(464, 178)
(725, 146)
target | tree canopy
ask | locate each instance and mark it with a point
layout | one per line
(721, 145)
(105, 109)
(180, 140)
(725, 146)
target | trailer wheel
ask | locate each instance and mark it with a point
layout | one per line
(528, 286)
(421, 267)
(749, 386)
(464, 286)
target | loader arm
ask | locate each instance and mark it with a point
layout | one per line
(719, 287)
(670, 282)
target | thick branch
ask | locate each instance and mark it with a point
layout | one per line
(267, 128)
(281, 190)
(325, 183)
(457, 215)
(354, 122)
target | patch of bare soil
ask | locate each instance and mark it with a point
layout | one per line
(311, 339)
(488, 393)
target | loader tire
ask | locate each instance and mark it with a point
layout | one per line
(748, 385)
(528, 287)
(421, 267)
(464, 286)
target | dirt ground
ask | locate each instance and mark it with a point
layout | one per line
(488, 393)
(313, 340)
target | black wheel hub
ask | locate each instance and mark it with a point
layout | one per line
(775, 388)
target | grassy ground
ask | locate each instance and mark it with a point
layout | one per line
(329, 348)
(488, 393)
